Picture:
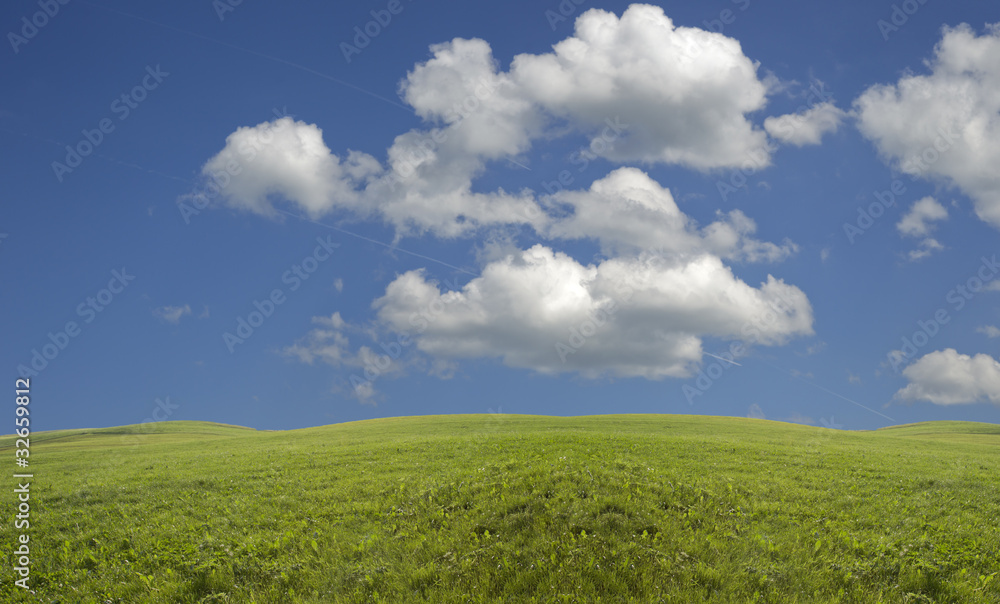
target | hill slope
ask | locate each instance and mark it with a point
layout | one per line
(117, 436)
(474, 508)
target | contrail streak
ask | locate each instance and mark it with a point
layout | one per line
(722, 359)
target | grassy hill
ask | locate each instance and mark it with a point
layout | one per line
(513, 508)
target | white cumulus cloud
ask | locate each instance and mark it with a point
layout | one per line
(286, 159)
(684, 92)
(627, 211)
(634, 317)
(945, 125)
(945, 377)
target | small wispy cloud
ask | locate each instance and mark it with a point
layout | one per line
(171, 314)
(990, 330)
(806, 128)
(927, 247)
(919, 222)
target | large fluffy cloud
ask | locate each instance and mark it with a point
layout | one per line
(684, 92)
(286, 159)
(945, 124)
(461, 84)
(945, 377)
(637, 316)
(681, 94)
(425, 187)
(627, 211)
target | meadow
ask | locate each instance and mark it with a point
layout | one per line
(512, 508)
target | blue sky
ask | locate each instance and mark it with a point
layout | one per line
(398, 194)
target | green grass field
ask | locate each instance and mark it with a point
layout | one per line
(510, 508)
